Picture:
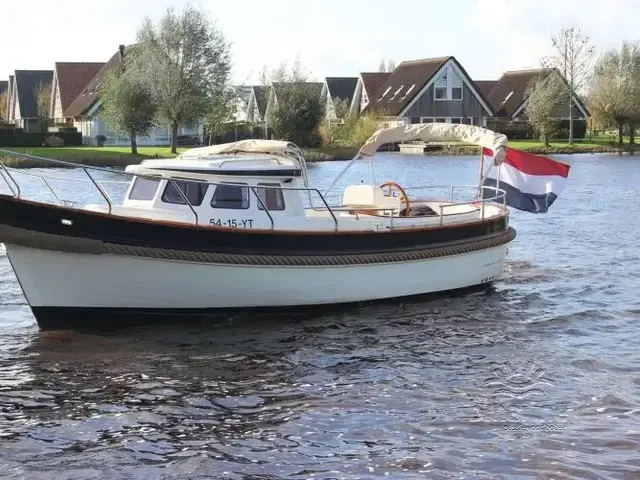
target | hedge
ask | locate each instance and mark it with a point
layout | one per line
(17, 137)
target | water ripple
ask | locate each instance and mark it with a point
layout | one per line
(535, 377)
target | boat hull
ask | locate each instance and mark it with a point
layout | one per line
(70, 290)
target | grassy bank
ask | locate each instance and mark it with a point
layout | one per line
(121, 156)
(93, 156)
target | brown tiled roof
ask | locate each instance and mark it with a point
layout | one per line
(413, 72)
(91, 91)
(372, 81)
(510, 91)
(72, 78)
(485, 86)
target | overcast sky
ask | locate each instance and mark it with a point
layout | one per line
(332, 37)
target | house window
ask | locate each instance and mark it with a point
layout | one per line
(448, 85)
(194, 191)
(426, 120)
(272, 198)
(456, 120)
(144, 189)
(231, 196)
(441, 120)
(415, 120)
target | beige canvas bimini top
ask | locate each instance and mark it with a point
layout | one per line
(438, 132)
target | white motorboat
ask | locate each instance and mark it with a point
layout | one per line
(237, 226)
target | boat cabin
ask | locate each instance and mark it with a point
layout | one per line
(220, 190)
(259, 184)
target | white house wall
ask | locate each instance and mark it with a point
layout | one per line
(159, 136)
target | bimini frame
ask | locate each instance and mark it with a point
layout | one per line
(430, 132)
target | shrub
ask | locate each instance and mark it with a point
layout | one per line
(53, 141)
(100, 139)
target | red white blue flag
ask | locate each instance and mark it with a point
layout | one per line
(531, 182)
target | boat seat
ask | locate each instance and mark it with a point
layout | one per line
(369, 199)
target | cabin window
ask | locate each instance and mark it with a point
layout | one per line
(144, 188)
(229, 195)
(272, 198)
(194, 191)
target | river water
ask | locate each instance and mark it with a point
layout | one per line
(535, 378)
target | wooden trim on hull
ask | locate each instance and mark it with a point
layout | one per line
(86, 230)
(94, 319)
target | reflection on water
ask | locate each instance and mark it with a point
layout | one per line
(537, 377)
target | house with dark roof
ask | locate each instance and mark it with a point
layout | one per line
(85, 111)
(430, 90)
(509, 95)
(366, 87)
(337, 91)
(508, 98)
(252, 103)
(69, 80)
(4, 99)
(23, 102)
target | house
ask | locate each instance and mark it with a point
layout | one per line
(85, 112)
(508, 95)
(23, 103)
(261, 94)
(69, 80)
(338, 93)
(4, 98)
(366, 87)
(430, 90)
(252, 100)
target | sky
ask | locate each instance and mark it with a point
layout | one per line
(330, 37)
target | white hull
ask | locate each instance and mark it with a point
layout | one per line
(59, 279)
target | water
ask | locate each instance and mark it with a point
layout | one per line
(537, 378)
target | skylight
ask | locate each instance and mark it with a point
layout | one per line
(407, 92)
(396, 92)
(385, 92)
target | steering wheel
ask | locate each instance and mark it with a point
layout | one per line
(404, 198)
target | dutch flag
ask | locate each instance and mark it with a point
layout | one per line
(532, 182)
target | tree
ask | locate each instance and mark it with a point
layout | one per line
(128, 106)
(614, 96)
(42, 95)
(382, 67)
(391, 66)
(573, 56)
(543, 95)
(297, 110)
(4, 106)
(221, 112)
(187, 61)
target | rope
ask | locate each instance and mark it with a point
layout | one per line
(30, 238)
